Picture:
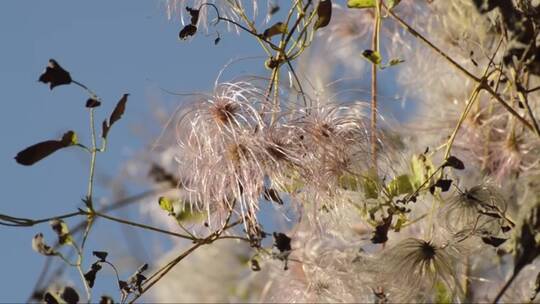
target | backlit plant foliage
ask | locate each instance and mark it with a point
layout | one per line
(299, 185)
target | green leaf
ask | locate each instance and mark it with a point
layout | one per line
(441, 293)
(421, 168)
(371, 185)
(324, 14)
(395, 61)
(349, 182)
(392, 62)
(360, 3)
(402, 219)
(400, 185)
(166, 204)
(373, 56)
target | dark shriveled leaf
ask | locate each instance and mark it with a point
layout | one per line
(101, 255)
(143, 268)
(444, 184)
(493, 241)
(39, 151)
(255, 265)
(123, 286)
(90, 276)
(118, 110)
(194, 15)
(454, 162)
(324, 14)
(92, 103)
(380, 235)
(527, 248)
(187, 31)
(70, 295)
(49, 298)
(160, 175)
(106, 300)
(536, 287)
(105, 129)
(272, 195)
(55, 75)
(282, 242)
(274, 8)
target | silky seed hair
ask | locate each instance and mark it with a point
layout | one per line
(420, 265)
(478, 210)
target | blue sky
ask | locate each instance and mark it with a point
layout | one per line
(114, 47)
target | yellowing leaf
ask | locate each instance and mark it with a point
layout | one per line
(166, 204)
(277, 28)
(360, 3)
(393, 3)
(62, 230)
(373, 56)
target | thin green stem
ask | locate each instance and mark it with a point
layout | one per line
(470, 102)
(153, 279)
(81, 225)
(158, 275)
(86, 287)
(468, 107)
